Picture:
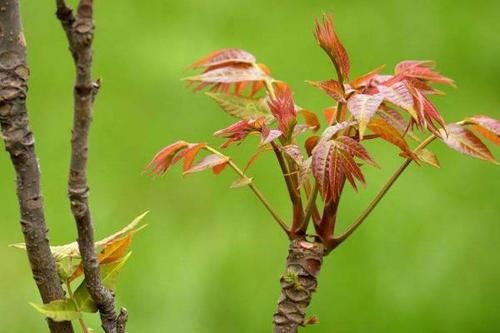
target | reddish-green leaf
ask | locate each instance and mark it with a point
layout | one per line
(331, 87)
(363, 107)
(330, 43)
(388, 133)
(225, 57)
(487, 126)
(465, 142)
(209, 161)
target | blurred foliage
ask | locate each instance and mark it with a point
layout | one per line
(427, 259)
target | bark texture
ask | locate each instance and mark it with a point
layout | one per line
(79, 29)
(298, 282)
(20, 144)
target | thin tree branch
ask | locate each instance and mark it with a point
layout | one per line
(79, 31)
(20, 144)
(337, 241)
(255, 190)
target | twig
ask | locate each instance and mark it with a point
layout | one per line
(337, 241)
(255, 190)
(79, 30)
(20, 144)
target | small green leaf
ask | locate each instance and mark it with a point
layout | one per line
(243, 181)
(428, 157)
(109, 277)
(58, 310)
(245, 108)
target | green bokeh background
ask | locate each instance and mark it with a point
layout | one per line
(427, 259)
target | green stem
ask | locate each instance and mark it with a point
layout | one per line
(337, 241)
(80, 320)
(255, 190)
(310, 205)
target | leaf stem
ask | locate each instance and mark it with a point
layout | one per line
(80, 320)
(255, 190)
(337, 241)
(311, 203)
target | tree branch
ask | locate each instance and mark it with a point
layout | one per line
(79, 31)
(19, 142)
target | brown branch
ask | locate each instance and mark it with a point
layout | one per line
(79, 31)
(19, 142)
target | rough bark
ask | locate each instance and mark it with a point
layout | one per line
(79, 31)
(20, 144)
(298, 282)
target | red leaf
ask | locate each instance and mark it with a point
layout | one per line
(209, 161)
(163, 159)
(283, 109)
(330, 114)
(310, 119)
(256, 155)
(237, 132)
(294, 152)
(398, 95)
(330, 131)
(219, 168)
(310, 143)
(332, 88)
(465, 142)
(389, 133)
(330, 43)
(396, 120)
(333, 161)
(366, 78)
(363, 107)
(269, 135)
(425, 112)
(320, 165)
(422, 70)
(336, 173)
(356, 149)
(225, 57)
(189, 154)
(488, 127)
(229, 75)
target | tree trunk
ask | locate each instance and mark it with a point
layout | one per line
(298, 282)
(19, 142)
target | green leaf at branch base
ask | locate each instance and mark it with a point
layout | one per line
(59, 310)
